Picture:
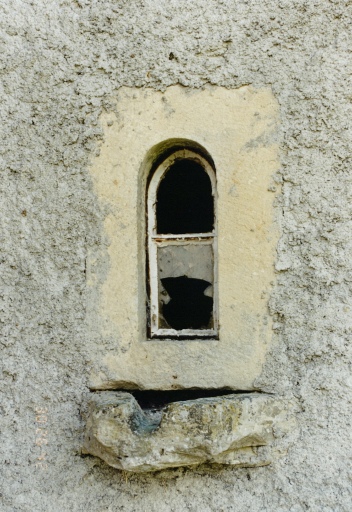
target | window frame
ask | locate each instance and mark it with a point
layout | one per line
(155, 240)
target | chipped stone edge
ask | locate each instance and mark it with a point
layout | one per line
(236, 430)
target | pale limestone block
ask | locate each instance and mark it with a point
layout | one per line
(234, 429)
(238, 129)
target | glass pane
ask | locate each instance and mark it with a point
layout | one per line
(185, 285)
(185, 203)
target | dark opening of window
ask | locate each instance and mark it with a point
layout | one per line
(185, 203)
(188, 307)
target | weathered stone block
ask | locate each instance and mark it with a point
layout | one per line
(238, 129)
(235, 429)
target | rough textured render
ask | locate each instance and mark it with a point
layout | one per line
(62, 64)
(228, 429)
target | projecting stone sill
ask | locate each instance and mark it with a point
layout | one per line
(235, 429)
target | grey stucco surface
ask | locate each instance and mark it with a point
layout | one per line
(61, 64)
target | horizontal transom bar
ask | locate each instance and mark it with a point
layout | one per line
(187, 236)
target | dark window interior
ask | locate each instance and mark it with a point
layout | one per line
(185, 203)
(188, 308)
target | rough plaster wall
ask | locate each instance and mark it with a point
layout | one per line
(61, 62)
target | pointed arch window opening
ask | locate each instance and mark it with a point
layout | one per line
(182, 248)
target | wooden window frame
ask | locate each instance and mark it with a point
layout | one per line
(156, 240)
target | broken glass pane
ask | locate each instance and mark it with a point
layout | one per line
(185, 284)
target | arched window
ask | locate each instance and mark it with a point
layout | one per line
(182, 259)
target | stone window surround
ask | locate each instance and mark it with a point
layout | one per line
(238, 129)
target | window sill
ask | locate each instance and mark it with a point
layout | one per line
(236, 430)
